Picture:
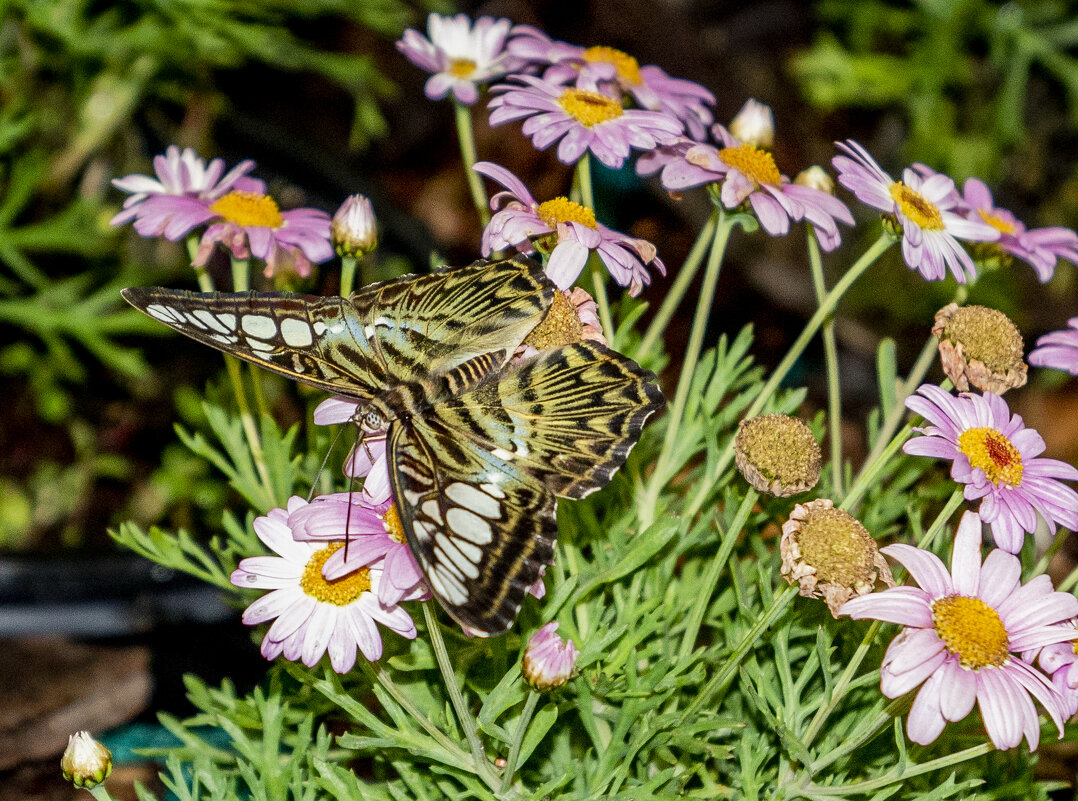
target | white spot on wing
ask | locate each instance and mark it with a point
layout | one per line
(165, 314)
(503, 454)
(469, 526)
(449, 548)
(422, 532)
(447, 586)
(492, 490)
(319, 328)
(296, 332)
(261, 347)
(368, 331)
(193, 320)
(431, 510)
(474, 499)
(258, 325)
(211, 322)
(223, 339)
(229, 321)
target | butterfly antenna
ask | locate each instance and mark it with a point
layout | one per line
(322, 467)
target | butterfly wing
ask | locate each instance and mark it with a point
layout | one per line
(428, 324)
(567, 417)
(480, 529)
(314, 340)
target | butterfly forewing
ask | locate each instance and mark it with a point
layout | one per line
(315, 340)
(480, 529)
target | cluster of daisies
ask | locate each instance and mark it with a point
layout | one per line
(974, 634)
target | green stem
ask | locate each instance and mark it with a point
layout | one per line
(680, 286)
(466, 136)
(709, 695)
(688, 367)
(830, 353)
(518, 740)
(714, 570)
(456, 698)
(898, 776)
(348, 274)
(99, 792)
(598, 275)
(864, 731)
(813, 325)
(205, 281)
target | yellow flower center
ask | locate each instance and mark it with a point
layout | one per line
(249, 209)
(993, 453)
(391, 519)
(560, 326)
(339, 592)
(627, 67)
(916, 207)
(589, 108)
(755, 164)
(563, 210)
(997, 222)
(971, 630)
(461, 67)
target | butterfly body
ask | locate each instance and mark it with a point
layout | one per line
(480, 441)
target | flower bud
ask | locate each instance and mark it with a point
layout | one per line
(816, 177)
(86, 762)
(777, 454)
(353, 230)
(980, 346)
(549, 661)
(754, 124)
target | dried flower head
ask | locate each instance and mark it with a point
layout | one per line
(86, 762)
(572, 317)
(353, 230)
(549, 661)
(778, 454)
(980, 346)
(830, 555)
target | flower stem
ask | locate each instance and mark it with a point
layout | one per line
(598, 278)
(718, 683)
(898, 776)
(680, 286)
(518, 740)
(813, 325)
(348, 274)
(688, 367)
(466, 136)
(830, 353)
(456, 698)
(99, 792)
(714, 570)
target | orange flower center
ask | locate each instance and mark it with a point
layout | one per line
(755, 164)
(997, 222)
(461, 67)
(391, 519)
(993, 453)
(627, 67)
(971, 630)
(249, 209)
(589, 108)
(339, 592)
(563, 210)
(916, 207)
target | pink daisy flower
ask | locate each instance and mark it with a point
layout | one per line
(996, 457)
(461, 54)
(313, 615)
(1058, 350)
(1060, 661)
(749, 173)
(1039, 247)
(927, 209)
(179, 173)
(964, 634)
(582, 120)
(374, 536)
(604, 69)
(565, 229)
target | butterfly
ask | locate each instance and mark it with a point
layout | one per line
(480, 441)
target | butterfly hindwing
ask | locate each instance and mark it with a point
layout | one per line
(480, 530)
(314, 340)
(567, 416)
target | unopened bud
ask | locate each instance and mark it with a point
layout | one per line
(754, 124)
(86, 763)
(816, 177)
(353, 230)
(549, 661)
